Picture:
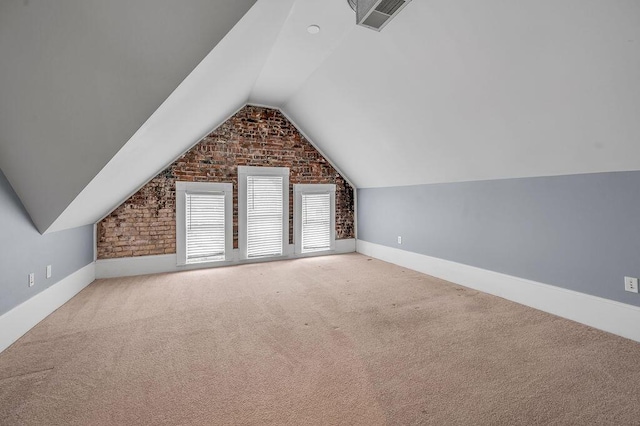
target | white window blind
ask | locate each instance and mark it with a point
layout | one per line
(314, 218)
(264, 216)
(316, 222)
(205, 223)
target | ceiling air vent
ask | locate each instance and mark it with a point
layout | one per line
(375, 14)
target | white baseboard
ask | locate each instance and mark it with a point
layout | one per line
(143, 265)
(608, 315)
(15, 323)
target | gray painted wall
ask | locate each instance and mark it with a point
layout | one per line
(23, 250)
(580, 232)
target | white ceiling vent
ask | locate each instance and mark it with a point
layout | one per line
(375, 14)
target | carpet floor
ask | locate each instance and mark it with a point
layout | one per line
(327, 340)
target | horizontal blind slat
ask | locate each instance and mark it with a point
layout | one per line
(205, 221)
(264, 216)
(316, 222)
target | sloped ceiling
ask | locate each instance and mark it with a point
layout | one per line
(79, 77)
(469, 90)
(448, 91)
(215, 89)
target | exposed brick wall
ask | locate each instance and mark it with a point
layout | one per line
(145, 223)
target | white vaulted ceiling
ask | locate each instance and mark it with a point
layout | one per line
(448, 91)
(79, 77)
(468, 90)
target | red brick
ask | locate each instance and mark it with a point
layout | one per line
(255, 136)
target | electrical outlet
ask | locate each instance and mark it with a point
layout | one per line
(32, 279)
(48, 271)
(399, 239)
(631, 284)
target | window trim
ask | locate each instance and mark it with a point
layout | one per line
(182, 188)
(300, 189)
(243, 173)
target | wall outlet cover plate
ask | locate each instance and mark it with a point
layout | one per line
(631, 284)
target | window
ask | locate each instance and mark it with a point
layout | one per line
(203, 222)
(263, 211)
(314, 217)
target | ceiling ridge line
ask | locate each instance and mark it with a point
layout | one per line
(275, 42)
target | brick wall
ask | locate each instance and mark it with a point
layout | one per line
(145, 223)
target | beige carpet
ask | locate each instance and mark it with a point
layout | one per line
(330, 340)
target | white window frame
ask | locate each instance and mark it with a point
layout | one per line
(300, 189)
(243, 173)
(182, 188)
